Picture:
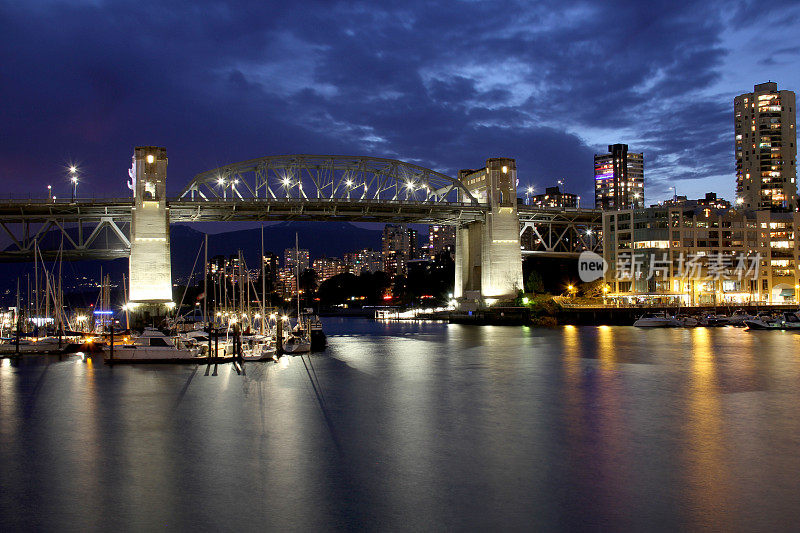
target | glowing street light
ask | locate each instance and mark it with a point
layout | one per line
(73, 172)
(49, 191)
(528, 194)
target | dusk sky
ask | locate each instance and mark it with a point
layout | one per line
(443, 85)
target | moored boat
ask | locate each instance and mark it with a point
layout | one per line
(762, 321)
(656, 320)
(738, 317)
(152, 346)
(298, 341)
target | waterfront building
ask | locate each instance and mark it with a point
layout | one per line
(553, 197)
(765, 149)
(441, 239)
(695, 256)
(618, 179)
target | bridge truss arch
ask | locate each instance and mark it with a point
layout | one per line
(327, 177)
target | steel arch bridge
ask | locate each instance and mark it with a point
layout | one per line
(327, 177)
(286, 187)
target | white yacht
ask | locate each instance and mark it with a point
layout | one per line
(31, 346)
(151, 346)
(257, 348)
(657, 320)
(297, 342)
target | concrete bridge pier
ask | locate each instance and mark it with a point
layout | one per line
(149, 265)
(488, 257)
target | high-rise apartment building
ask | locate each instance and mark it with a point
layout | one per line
(414, 251)
(366, 260)
(327, 267)
(396, 249)
(292, 257)
(618, 179)
(441, 239)
(766, 153)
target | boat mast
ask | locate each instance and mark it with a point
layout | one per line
(263, 283)
(17, 313)
(28, 301)
(125, 298)
(205, 283)
(36, 278)
(297, 275)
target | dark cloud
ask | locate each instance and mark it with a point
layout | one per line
(441, 84)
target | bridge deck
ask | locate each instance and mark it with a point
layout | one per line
(86, 223)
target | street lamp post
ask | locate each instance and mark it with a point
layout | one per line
(49, 191)
(73, 172)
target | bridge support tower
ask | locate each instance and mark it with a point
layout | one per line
(149, 265)
(488, 258)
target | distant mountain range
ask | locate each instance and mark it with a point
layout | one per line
(331, 239)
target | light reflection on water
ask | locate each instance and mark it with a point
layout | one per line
(416, 426)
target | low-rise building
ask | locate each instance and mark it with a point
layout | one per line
(696, 256)
(710, 200)
(553, 197)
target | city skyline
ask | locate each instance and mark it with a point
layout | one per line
(215, 101)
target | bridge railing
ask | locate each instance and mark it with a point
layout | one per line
(331, 201)
(66, 201)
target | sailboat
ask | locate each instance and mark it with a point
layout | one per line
(298, 340)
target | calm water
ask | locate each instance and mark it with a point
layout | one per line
(417, 427)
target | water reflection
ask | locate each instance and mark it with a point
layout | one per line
(416, 426)
(706, 467)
